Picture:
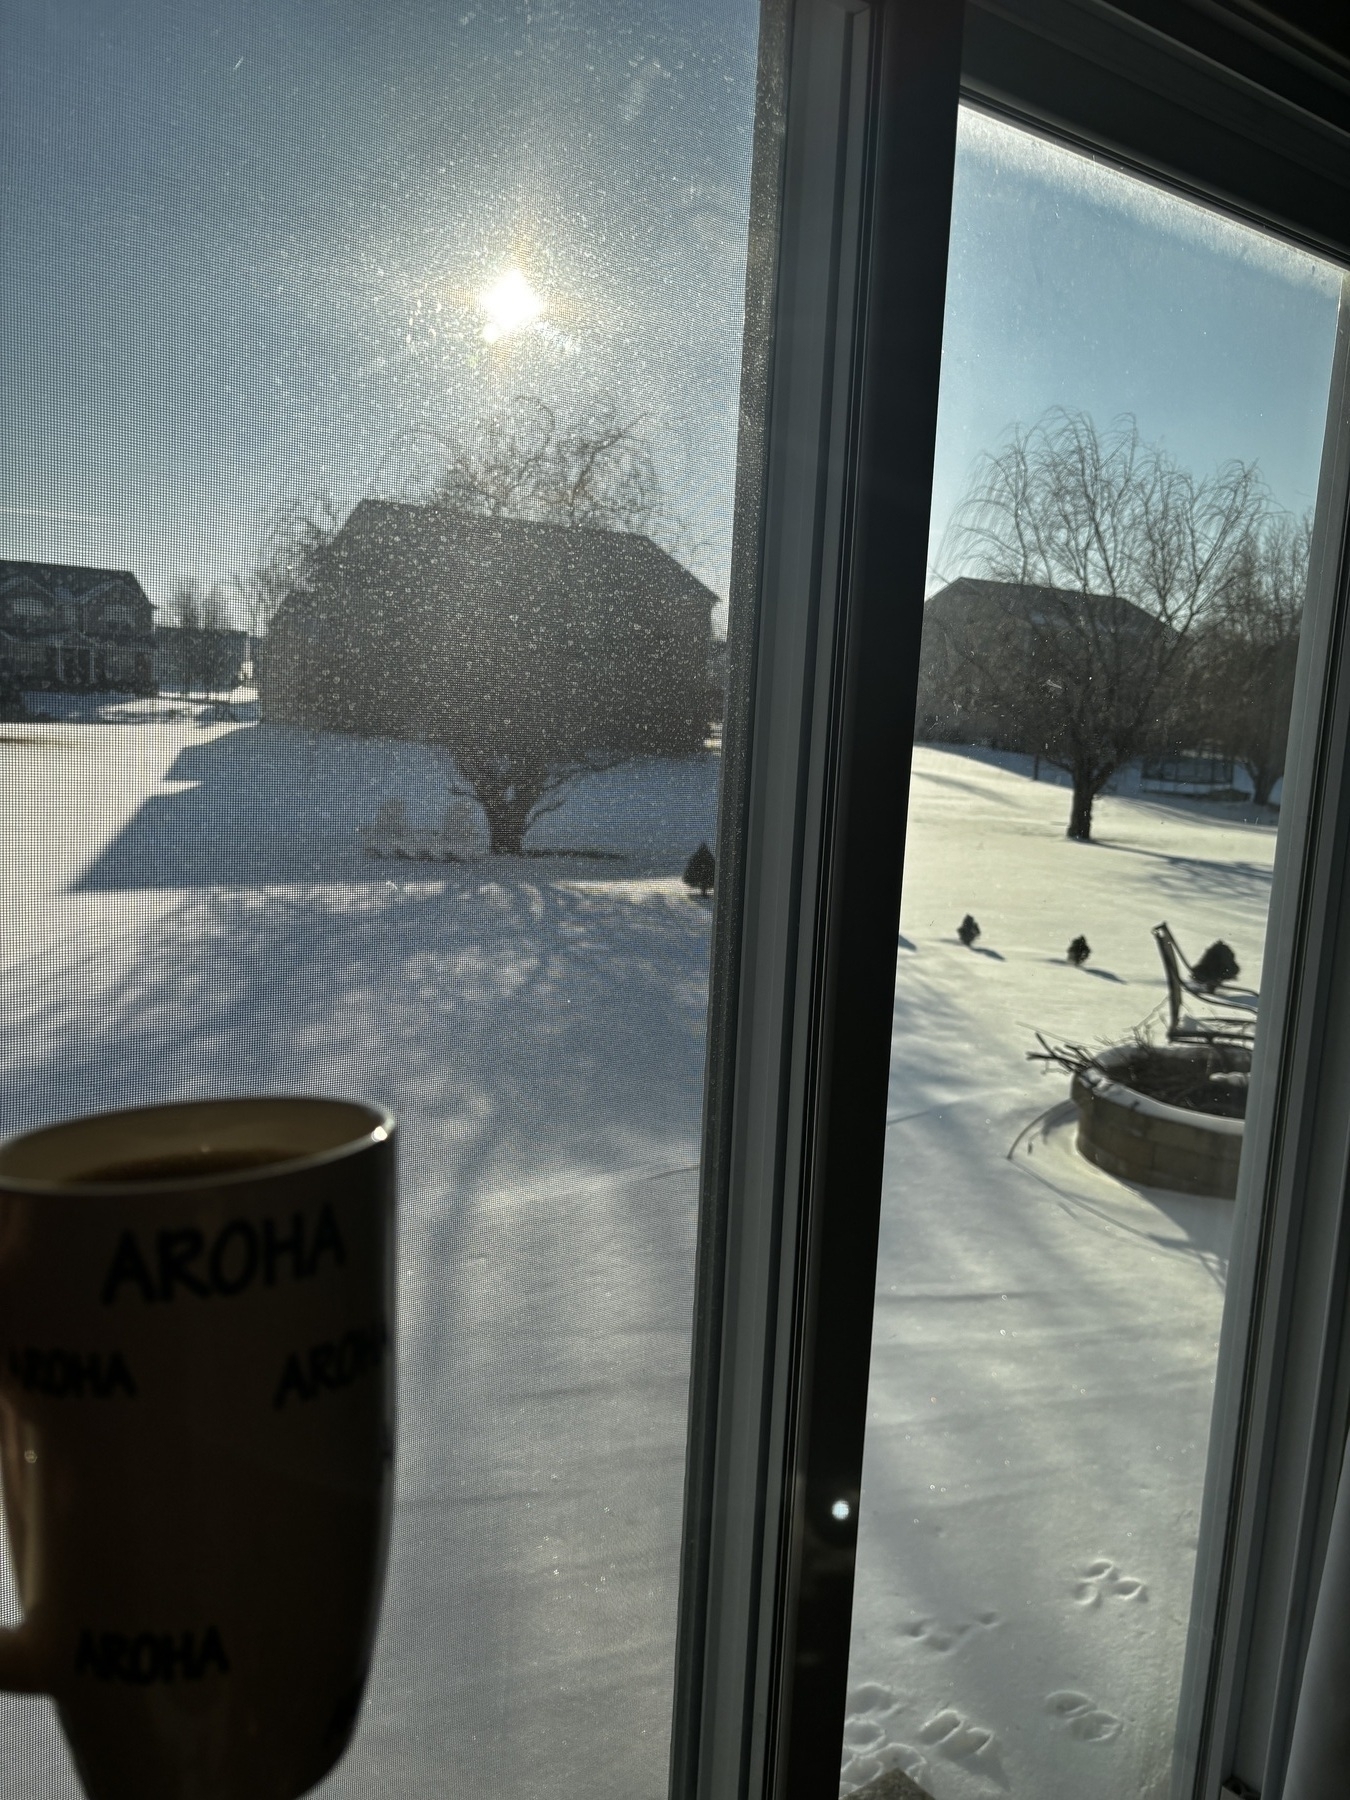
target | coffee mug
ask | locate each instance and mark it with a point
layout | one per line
(196, 1436)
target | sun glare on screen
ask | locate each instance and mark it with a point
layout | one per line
(508, 306)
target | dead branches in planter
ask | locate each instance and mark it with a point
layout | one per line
(1208, 1078)
(1072, 1058)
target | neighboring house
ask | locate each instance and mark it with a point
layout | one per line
(72, 629)
(973, 622)
(1191, 772)
(421, 622)
(199, 659)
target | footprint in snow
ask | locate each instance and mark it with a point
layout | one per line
(937, 1634)
(864, 1762)
(863, 1734)
(872, 1697)
(1103, 1580)
(859, 1770)
(904, 1757)
(869, 1749)
(955, 1736)
(1080, 1718)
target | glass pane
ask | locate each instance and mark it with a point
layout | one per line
(1133, 403)
(374, 387)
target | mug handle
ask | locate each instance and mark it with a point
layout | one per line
(19, 1659)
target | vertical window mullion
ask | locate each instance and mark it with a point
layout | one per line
(870, 116)
(1281, 1382)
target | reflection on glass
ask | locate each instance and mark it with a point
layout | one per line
(1133, 404)
(363, 558)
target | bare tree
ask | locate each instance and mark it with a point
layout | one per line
(1245, 654)
(201, 618)
(517, 787)
(519, 754)
(1110, 555)
(519, 726)
(595, 469)
(185, 604)
(287, 558)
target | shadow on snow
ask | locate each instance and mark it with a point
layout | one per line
(263, 804)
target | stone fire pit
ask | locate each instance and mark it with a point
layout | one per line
(1130, 1132)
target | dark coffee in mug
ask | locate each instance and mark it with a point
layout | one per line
(196, 1435)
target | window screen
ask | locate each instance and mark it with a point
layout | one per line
(382, 365)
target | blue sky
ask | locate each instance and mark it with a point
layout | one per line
(244, 246)
(1072, 284)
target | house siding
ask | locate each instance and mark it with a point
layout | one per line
(66, 628)
(423, 623)
(953, 703)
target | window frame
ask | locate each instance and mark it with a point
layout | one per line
(858, 120)
(850, 217)
(1282, 1405)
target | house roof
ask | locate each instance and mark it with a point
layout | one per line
(69, 581)
(972, 593)
(444, 550)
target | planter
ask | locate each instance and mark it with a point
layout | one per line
(1153, 1142)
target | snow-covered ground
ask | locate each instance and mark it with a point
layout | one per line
(188, 909)
(1045, 1338)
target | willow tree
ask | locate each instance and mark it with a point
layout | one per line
(594, 470)
(1109, 556)
(1246, 653)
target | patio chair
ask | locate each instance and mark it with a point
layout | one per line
(1231, 1014)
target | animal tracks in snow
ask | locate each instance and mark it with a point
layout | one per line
(862, 1735)
(955, 1736)
(937, 1634)
(876, 1713)
(1102, 1580)
(1080, 1717)
(872, 1697)
(869, 1748)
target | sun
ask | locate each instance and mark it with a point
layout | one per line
(508, 306)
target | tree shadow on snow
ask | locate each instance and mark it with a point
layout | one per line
(542, 1047)
(1007, 762)
(1188, 877)
(1018, 1365)
(266, 805)
(979, 789)
(1192, 807)
(500, 1000)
